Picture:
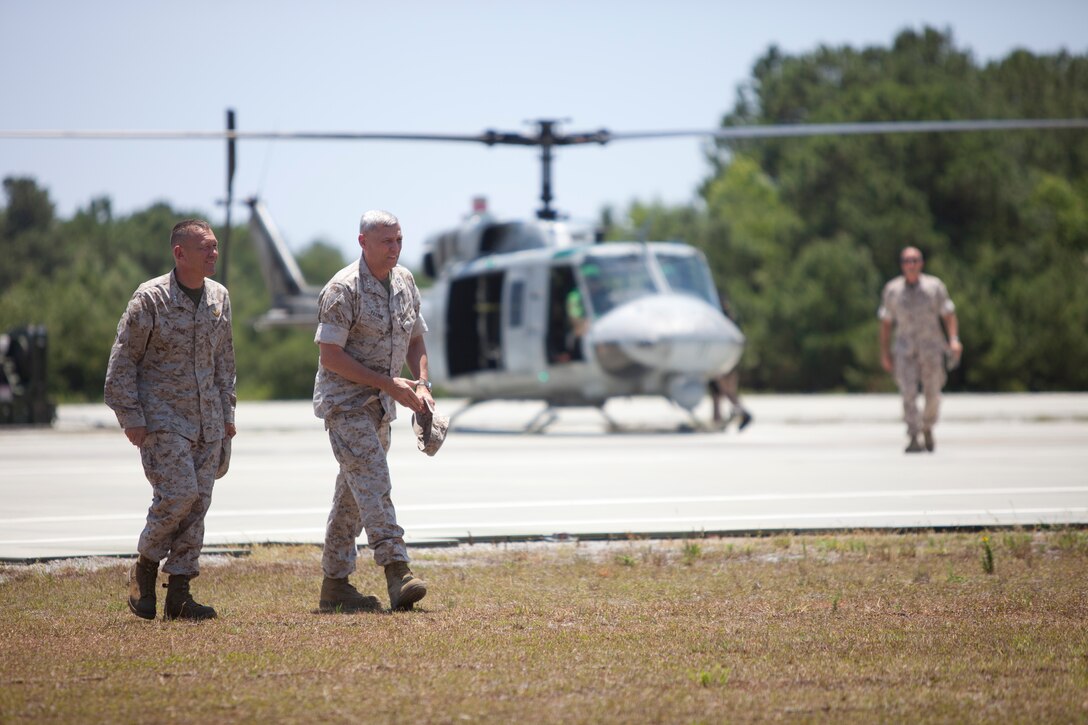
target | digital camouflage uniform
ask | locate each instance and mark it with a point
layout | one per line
(919, 347)
(171, 370)
(374, 326)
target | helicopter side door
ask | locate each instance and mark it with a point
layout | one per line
(524, 318)
(474, 324)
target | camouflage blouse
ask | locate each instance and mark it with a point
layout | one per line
(373, 325)
(172, 364)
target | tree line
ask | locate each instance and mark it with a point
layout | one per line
(800, 233)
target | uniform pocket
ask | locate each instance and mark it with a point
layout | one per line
(217, 331)
(357, 433)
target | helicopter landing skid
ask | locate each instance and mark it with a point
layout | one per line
(542, 420)
(550, 414)
(702, 426)
(538, 424)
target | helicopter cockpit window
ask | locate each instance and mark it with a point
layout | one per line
(614, 280)
(687, 274)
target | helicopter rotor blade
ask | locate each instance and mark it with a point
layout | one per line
(856, 129)
(549, 137)
(147, 135)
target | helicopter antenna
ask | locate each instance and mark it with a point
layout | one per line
(230, 190)
(547, 140)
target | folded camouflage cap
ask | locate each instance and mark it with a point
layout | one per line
(224, 457)
(431, 429)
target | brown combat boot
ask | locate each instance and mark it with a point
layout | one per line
(180, 603)
(141, 587)
(339, 596)
(404, 588)
(915, 446)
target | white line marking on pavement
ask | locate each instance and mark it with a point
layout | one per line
(558, 525)
(573, 503)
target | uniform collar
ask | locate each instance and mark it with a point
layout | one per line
(177, 294)
(396, 283)
(917, 283)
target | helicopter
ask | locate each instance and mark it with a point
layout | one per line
(500, 306)
(500, 319)
(541, 309)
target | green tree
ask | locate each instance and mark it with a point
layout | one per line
(27, 238)
(28, 207)
(826, 323)
(320, 261)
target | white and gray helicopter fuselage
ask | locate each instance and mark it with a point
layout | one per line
(504, 324)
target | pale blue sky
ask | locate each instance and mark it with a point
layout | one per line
(424, 66)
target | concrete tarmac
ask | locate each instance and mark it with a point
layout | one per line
(805, 463)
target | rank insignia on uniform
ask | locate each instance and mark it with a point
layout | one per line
(215, 312)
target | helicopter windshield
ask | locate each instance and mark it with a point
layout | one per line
(687, 274)
(613, 280)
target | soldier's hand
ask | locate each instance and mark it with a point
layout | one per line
(424, 395)
(886, 362)
(955, 352)
(136, 436)
(230, 430)
(404, 393)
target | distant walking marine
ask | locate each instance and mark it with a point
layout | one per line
(915, 304)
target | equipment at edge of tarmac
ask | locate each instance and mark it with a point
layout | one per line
(23, 397)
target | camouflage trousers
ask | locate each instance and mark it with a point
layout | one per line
(925, 368)
(182, 474)
(361, 499)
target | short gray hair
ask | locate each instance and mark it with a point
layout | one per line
(188, 228)
(375, 218)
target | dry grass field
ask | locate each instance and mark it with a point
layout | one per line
(852, 627)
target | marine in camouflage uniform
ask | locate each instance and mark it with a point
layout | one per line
(369, 326)
(914, 304)
(170, 381)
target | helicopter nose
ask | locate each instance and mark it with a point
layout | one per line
(668, 333)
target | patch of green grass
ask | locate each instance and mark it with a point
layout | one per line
(711, 676)
(1018, 543)
(691, 552)
(987, 556)
(1072, 540)
(630, 631)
